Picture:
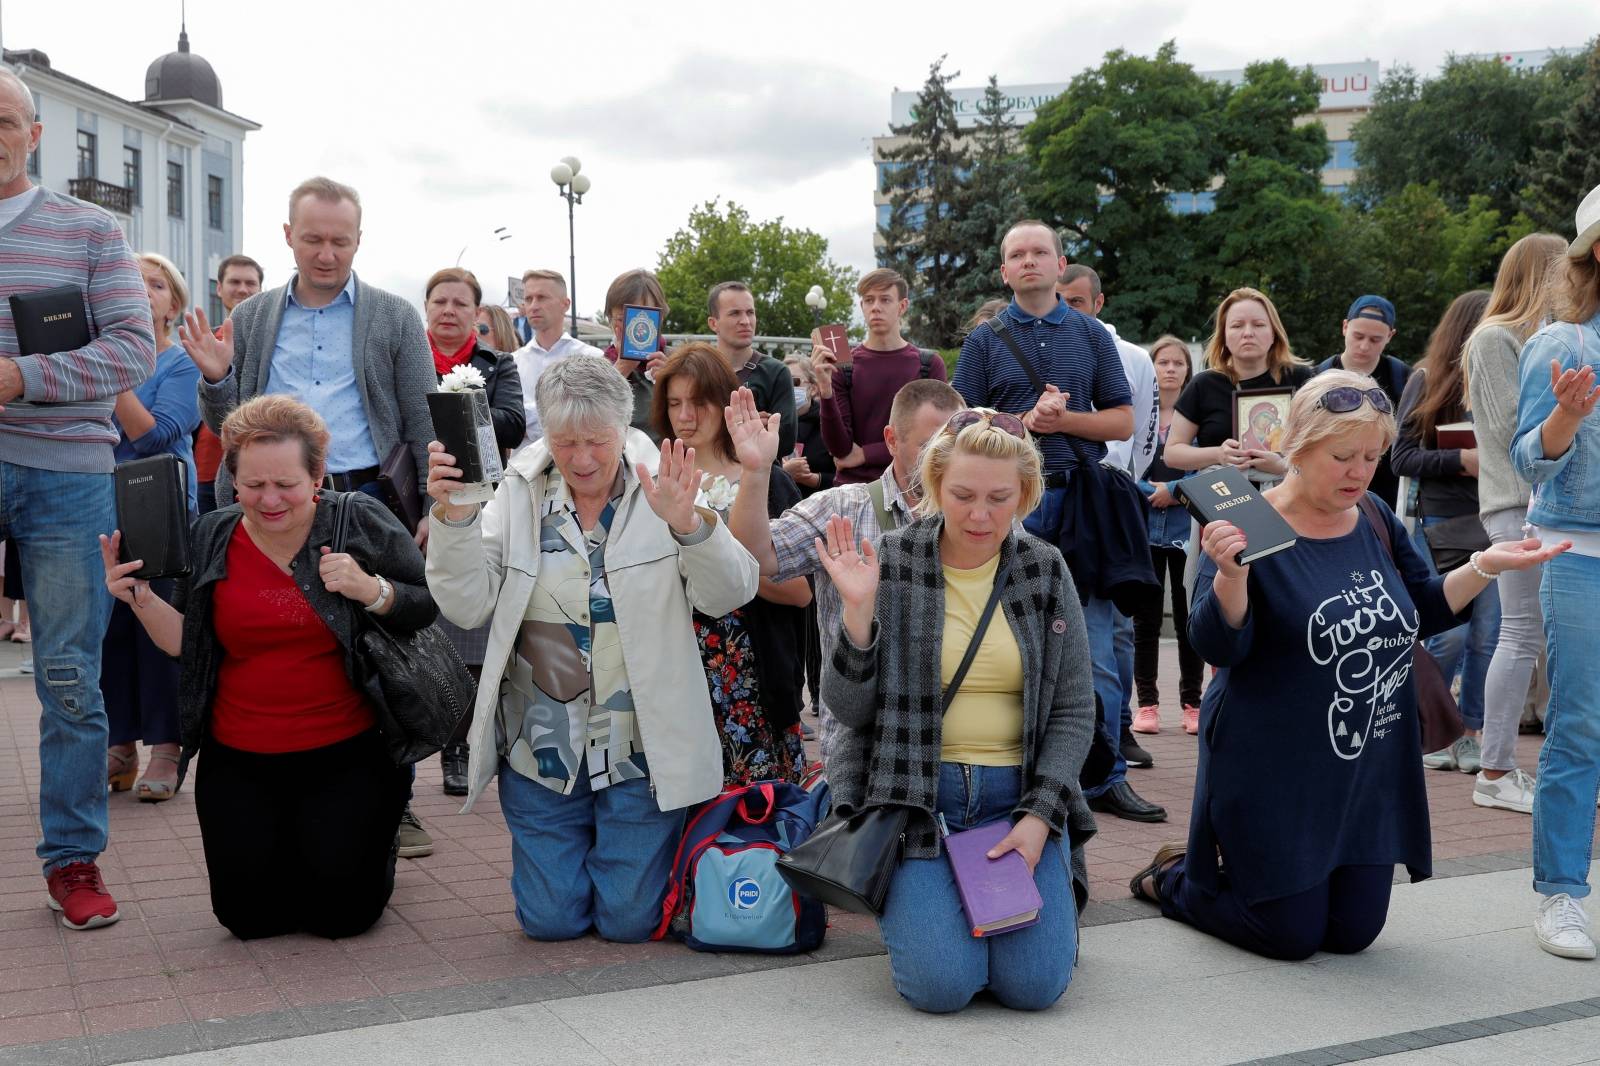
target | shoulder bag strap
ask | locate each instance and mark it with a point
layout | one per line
(977, 636)
(998, 327)
(341, 519)
(880, 507)
(1379, 526)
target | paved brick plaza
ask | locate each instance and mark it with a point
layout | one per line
(168, 978)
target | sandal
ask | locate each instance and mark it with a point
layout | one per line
(157, 791)
(121, 767)
(1165, 856)
(22, 633)
(6, 629)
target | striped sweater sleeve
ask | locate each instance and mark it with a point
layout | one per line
(122, 353)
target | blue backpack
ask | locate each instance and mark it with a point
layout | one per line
(726, 893)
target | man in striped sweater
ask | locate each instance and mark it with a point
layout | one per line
(56, 437)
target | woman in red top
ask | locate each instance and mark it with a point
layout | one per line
(297, 798)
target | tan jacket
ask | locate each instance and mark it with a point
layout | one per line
(484, 571)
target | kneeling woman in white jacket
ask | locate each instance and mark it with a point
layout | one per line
(593, 706)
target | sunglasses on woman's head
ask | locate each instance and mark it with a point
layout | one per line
(971, 416)
(483, 329)
(1347, 398)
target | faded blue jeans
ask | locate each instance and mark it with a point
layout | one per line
(1569, 762)
(54, 517)
(597, 859)
(938, 965)
(1469, 647)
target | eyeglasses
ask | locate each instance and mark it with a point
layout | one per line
(971, 416)
(1347, 398)
(483, 329)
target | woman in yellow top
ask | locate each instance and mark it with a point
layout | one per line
(1015, 734)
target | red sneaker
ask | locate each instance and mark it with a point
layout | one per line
(1191, 719)
(77, 891)
(1147, 719)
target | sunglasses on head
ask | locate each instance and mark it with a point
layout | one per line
(1347, 398)
(971, 416)
(483, 329)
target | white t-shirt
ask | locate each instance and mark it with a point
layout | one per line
(1135, 453)
(12, 206)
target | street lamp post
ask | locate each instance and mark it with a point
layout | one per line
(816, 299)
(571, 186)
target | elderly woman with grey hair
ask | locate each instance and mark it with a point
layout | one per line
(593, 707)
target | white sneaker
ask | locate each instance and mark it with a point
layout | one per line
(1511, 792)
(1563, 928)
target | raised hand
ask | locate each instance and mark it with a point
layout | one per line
(852, 567)
(823, 364)
(755, 436)
(671, 492)
(211, 352)
(443, 479)
(119, 580)
(1575, 390)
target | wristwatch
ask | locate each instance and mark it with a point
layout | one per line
(384, 591)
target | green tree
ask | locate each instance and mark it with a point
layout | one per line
(1472, 130)
(1561, 174)
(991, 201)
(778, 262)
(1105, 155)
(926, 183)
(1273, 226)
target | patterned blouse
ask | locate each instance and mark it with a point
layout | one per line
(570, 699)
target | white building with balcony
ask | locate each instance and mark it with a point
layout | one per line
(169, 168)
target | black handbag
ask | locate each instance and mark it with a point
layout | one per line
(425, 686)
(851, 859)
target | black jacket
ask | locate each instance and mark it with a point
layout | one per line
(375, 538)
(503, 385)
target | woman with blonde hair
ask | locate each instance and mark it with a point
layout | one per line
(1248, 349)
(138, 680)
(1557, 450)
(1003, 741)
(495, 329)
(1309, 789)
(1518, 305)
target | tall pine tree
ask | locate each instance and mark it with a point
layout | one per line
(925, 181)
(1560, 176)
(993, 199)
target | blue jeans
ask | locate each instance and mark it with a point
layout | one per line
(1569, 762)
(1122, 638)
(1100, 618)
(596, 859)
(54, 518)
(938, 965)
(1469, 647)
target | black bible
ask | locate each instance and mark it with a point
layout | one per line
(462, 424)
(153, 515)
(1226, 495)
(50, 320)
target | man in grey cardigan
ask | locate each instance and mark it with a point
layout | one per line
(356, 354)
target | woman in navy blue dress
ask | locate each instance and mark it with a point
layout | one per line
(1310, 788)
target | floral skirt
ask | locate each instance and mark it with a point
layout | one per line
(752, 750)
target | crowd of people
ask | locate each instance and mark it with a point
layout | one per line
(689, 551)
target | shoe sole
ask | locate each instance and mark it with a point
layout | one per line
(1480, 800)
(1426, 765)
(1565, 953)
(1132, 817)
(415, 851)
(1145, 732)
(454, 791)
(93, 923)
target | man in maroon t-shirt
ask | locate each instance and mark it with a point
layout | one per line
(854, 400)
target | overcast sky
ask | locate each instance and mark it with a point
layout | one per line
(448, 116)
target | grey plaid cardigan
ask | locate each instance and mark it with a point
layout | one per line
(887, 695)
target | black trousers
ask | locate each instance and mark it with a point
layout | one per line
(1342, 915)
(302, 841)
(1169, 563)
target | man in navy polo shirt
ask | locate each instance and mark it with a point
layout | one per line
(1086, 397)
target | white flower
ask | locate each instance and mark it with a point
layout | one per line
(719, 493)
(461, 379)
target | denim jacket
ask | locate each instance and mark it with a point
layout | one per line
(1168, 526)
(1566, 489)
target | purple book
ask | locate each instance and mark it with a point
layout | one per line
(998, 894)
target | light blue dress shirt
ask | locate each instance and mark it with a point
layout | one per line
(314, 362)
